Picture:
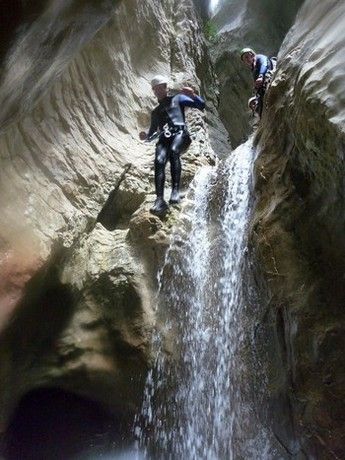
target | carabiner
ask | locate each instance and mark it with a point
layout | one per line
(166, 131)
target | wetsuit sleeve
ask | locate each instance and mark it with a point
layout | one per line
(154, 125)
(197, 102)
(262, 64)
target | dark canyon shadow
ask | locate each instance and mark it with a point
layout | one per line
(50, 423)
(13, 15)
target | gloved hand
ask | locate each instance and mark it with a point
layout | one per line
(188, 91)
(259, 82)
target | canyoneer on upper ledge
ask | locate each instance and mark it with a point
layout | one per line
(168, 124)
(263, 68)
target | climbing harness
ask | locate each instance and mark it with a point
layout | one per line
(166, 131)
(252, 104)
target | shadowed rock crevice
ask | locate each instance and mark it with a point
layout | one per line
(15, 14)
(44, 312)
(121, 203)
(32, 335)
(51, 423)
(261, 25)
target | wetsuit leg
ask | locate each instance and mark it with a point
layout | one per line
(174, 157)
(180, 142)
(161, 158)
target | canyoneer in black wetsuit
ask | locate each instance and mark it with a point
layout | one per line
(169, 126)
(262, 68)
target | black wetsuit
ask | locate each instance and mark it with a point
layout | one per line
(262, 65)
(168, 121)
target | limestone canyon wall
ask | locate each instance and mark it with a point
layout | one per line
(77, 266)
(297, 230)
(79, 249)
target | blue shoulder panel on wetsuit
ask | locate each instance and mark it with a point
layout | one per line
(197, 102)
(171, 110)
(262, 64)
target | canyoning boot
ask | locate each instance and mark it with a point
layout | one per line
(175, 196)
(160, 206)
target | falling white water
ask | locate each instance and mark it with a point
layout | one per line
(213, 6)
(193, 406)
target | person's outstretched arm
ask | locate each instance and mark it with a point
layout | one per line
(262, 64)
(188, 98)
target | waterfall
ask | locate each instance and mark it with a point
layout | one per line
(194, 405)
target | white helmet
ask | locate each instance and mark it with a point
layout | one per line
(158, 80)
(245, 51)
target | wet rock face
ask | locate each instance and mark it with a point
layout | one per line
(38, 41)
(75, 290)
(260, 25)
(298, 224)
